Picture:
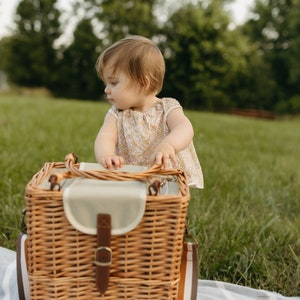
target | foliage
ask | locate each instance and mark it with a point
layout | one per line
(196, 63)
(246, 219)
(291, 106)
(209, 65)
(30, 55)
(76, 76)
(121, 18)
(275, 28)
(293, 51)
(252, 89)
(3, 51)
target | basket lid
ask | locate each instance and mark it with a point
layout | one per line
(84, 198)
(125, 201)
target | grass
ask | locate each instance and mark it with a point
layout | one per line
(246, 219)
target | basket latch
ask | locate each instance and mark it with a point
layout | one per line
(103, 253)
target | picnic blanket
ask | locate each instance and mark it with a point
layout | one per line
(217, 290)
(207, 289)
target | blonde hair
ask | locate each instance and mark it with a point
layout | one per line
(139, 58)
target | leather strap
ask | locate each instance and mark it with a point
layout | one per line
(103, 255)
(188, 283)
(19, 268)
(195, 272)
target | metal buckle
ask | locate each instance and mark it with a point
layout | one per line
(103, 264)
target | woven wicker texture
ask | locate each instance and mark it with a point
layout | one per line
(145, 263)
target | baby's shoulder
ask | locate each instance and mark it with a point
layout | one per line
(170, 103)
(114, 111)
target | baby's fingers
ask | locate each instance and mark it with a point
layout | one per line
(112, 162)
(117, 161)
(174, 160)
(158, 158)
(167, 160)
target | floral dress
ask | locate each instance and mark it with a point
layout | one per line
(140, 132)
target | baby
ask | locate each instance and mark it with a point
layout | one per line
(140, 128)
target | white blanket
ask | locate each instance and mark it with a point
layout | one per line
(217, 290)
(207, 289)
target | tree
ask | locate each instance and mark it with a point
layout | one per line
(3, 51)
(30, 54)
(252, 85)
(76, 76)
(121, 18)
(293, 22)
(202, 56)
(275, 28)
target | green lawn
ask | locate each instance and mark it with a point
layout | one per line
(246, 219)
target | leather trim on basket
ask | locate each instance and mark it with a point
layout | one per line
(103, 255)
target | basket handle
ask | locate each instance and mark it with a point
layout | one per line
(72, 167)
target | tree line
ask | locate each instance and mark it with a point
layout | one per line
(210, 66)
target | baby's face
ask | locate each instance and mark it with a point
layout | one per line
(121, 91)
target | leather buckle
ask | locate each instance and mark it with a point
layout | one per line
(104, 256)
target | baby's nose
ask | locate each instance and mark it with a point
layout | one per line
(106, 90)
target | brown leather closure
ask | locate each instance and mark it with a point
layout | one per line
(103, 253)
(19, 267)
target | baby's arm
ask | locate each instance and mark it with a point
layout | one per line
(180, 135)
(105, 144)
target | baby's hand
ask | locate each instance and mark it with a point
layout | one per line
(165, 155)
(110, 162)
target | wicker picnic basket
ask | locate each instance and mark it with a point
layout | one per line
(145, 261)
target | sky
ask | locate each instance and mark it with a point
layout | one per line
(239, 9)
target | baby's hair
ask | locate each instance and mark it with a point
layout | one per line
(139, 58)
